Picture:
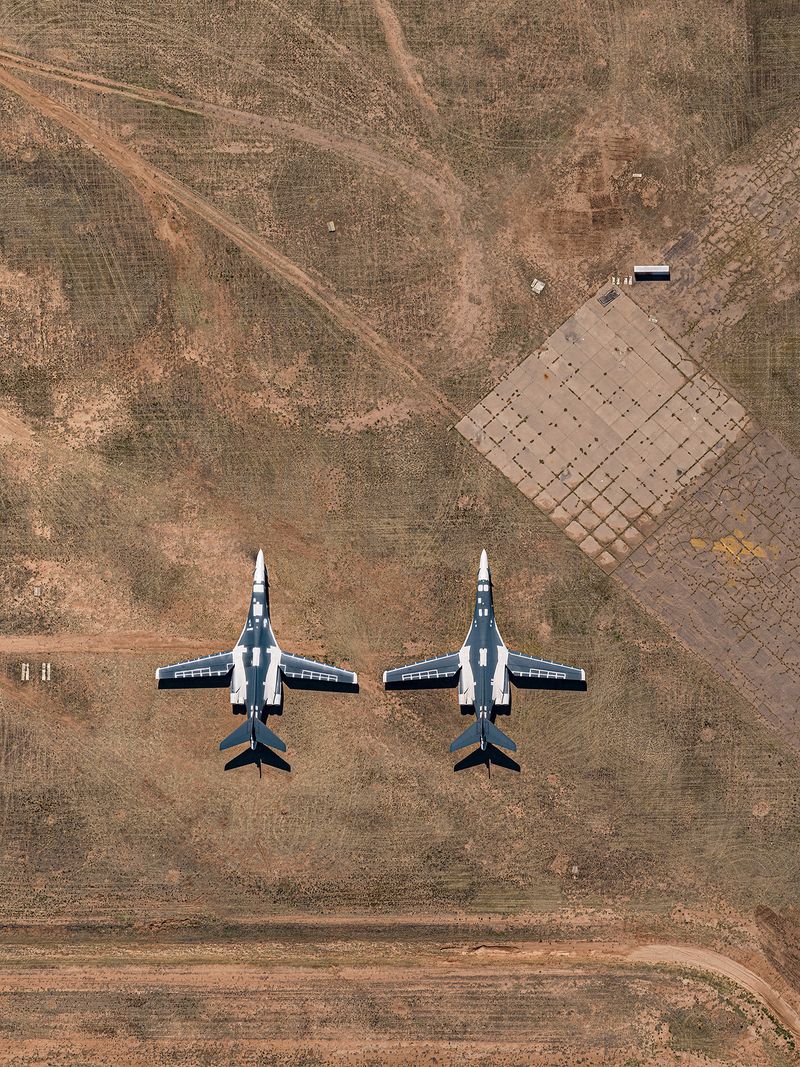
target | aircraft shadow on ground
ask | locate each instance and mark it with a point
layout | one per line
(574, 685)
(485, 758)
(260, 755)
(320, 687)
(217, 681)
(446, 682)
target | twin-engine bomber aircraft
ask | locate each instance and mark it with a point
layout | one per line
(482, 670)
(256, 669)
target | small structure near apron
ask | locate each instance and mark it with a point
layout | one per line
(652, 273)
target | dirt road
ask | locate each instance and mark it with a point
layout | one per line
(403, 60)
(443, 942)
(144, 175)
(725, 967)
(420, 979)
(126, 643)
(418, 182)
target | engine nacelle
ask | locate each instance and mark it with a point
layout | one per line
(238, 677)
(273, 689)
(501, 683)
(466, 679)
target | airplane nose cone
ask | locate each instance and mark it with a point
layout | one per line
(483, 569)
(260, 568)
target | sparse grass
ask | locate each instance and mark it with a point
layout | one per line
(233, 426)
(759, 359)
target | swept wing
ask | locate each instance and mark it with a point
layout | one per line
(300, 673)
(438, 672)
(205, 672)
(527, 672)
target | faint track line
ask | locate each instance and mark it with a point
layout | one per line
(448, 950)
(403, 60)
(137, 641)
(706, 960)
(323, 40)
(14, 429)
(142, 173)
(448, 199)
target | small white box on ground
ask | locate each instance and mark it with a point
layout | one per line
(331, 227)
(652, 272)
(537, 286)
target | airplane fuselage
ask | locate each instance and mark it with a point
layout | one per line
(483, 682)
(256, 676)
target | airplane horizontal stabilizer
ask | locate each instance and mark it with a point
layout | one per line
(258, 755)
(486, 757)
(267, 737)
(471, 736)
(497, 737)
(240, 736)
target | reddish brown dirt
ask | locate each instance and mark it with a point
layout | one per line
(104, 643)
(199, 369)
(144, 174)
(14, 429)
(398, 50)
(715, 963)
(388, 1004)
(445, 195)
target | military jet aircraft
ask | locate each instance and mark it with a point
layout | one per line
(256, 670)
(483, 669)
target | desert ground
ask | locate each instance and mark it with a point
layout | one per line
(193, 368)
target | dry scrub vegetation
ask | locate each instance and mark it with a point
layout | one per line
(193, 368)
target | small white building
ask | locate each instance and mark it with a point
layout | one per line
(651, 272)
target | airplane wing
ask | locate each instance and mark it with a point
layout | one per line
(299, 673)
(206, 672)
(437, 673)
(529, 673)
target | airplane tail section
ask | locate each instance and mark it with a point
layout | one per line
(497, 737)
(259, 756)
(488, 757)
(240, 736)
(485, 729)
(471, 736)
(266, 737)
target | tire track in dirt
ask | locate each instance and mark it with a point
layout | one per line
(121, 643)
(547, 958)
(403, 59)
(725, 967)
(692, 956)
(14, 429)
(445, 192)
(417, 181)
(144, 174)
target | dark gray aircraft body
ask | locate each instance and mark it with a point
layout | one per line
(256, 670)
(483, 669)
